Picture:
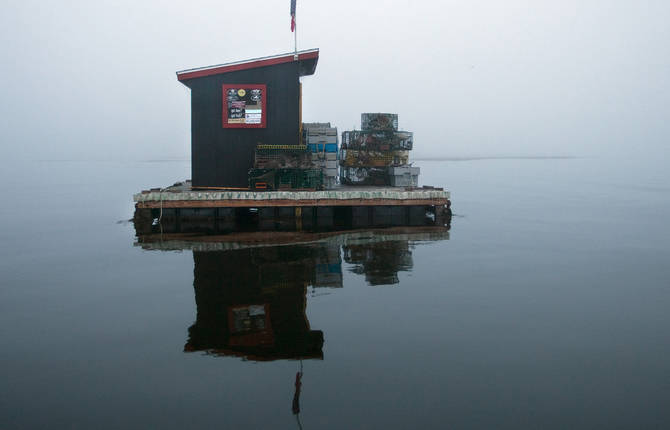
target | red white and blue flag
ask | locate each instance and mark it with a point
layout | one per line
(292, 15)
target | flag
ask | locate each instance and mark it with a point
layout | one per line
(292, 15)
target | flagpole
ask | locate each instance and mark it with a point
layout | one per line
(295, 33)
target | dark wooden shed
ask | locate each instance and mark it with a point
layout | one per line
(236, 106)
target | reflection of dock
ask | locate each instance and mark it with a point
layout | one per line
(232, 241)
(251, 288)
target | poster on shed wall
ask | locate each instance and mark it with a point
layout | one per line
(244, 106)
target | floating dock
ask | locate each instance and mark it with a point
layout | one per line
(256, 166)
(182, 209)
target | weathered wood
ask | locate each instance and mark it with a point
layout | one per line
(179, 208)
(279, 203)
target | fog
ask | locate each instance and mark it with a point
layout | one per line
(96, 80)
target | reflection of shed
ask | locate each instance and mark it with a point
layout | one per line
(236, 106)
(251, 303)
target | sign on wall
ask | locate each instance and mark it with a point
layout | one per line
(244, 106)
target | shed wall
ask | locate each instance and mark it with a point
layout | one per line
(221, 157)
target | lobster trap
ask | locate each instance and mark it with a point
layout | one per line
(365, 158)
(295, 157)
(364, 176)
(285, 179)
(379, 121)
(380, 140)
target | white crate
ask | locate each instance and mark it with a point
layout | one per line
(404, 170)
(329, 182)
(404, 180)
(321, 138)
(324, 156)
(404, 176)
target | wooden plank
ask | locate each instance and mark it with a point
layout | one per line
(277, 202)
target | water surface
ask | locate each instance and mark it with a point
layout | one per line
(544, 306)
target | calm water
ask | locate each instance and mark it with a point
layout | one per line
(545, 306)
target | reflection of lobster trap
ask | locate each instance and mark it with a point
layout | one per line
(363, 176)
(285, 179)
(282, 159)
(361, 158)
(378, 140)
(379, 121)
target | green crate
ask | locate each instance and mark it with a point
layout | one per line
(282, 159)
(285, 179)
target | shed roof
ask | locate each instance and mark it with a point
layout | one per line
(307, 60)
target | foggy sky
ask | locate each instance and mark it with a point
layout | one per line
(96, 80)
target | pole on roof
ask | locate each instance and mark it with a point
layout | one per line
(295, 38)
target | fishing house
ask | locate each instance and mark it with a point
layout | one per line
(237, 106)
(256, 167)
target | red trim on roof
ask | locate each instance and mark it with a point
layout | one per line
(244, 66)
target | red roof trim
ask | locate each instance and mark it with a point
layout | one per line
(216, 70)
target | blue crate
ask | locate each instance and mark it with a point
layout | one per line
(328, 268)
(318, 147)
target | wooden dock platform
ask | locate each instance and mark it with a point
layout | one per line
(182, 209)
(182, 195)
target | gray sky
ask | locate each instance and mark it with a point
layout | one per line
(95, 79)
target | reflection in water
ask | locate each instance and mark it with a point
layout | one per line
(251, 292)
(379, 262)
(295, 406)
(251, 297)
(251, 302)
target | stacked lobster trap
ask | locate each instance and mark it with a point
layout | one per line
(311, 165)
(283, 167)
(378, 154)
(321, 141)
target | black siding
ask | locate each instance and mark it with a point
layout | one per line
(221, 157)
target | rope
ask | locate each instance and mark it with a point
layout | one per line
(160, 215)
